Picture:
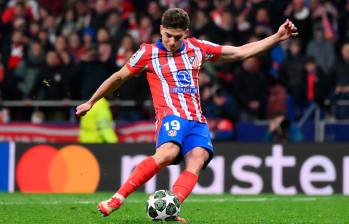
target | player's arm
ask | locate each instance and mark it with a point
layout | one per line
(231, 53)
(107, 87)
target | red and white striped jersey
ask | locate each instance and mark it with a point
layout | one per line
(173, 77)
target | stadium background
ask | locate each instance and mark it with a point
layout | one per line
(278, 120)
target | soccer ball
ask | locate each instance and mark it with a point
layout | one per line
(163, 205)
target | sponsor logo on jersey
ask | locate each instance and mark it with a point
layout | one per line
(184, 90)
(184, 78)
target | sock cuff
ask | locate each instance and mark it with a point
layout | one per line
(150, 161)
(190, 175)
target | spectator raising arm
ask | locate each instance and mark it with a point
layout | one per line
(231, 53)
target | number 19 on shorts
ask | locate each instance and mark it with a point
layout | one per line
(172, 125)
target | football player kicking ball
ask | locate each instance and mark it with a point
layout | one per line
(173, 65)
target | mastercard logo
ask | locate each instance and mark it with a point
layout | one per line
(71, 169)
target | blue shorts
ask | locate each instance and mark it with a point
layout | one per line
(185, 133)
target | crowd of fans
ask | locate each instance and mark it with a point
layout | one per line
(63, 50)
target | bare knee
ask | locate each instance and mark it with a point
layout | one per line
(195, 160)
(166, 153)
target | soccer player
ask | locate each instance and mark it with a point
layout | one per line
(173, 64)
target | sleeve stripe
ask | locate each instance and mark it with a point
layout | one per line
(208, 43)
(136, 56)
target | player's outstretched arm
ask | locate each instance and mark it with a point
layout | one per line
(231, 53)
(107, 87)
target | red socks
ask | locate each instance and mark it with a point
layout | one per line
(147, 169)
(141, 174)
(184, 185)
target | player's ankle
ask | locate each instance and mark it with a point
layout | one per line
(119, 196)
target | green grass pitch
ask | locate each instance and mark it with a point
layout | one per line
(81, 208)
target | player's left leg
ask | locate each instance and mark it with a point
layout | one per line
(194, 162)
(197, 150)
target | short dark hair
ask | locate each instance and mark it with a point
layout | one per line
(175, 18)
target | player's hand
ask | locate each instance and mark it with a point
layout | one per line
(82, 109)
(287, 30)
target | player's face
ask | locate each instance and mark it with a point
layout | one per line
(172, 38)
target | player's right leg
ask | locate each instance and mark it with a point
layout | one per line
(144, 171)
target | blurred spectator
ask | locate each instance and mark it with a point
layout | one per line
(250, 89)
(43, 14)
(68, 61)
(326, 14)
(292, 74)
(207, 103)
(321, 49)
(117, 27)
(145, 30)
(67, 25)
(318, 83)
(74, 46)
(94, 69)
(125, 51)
(217, 12)
(343, 25)
(43, 37)
(13, 53)
(340, 75)
(51, 26)
(227, 32)
(18, 9)
(241, 12)
(277, 101)
(52, 84)
(262, 26)
(88, 38)
(97, 125)
(83, 15)
(299, 14)
(225, 106)
(154, 11)
(202, 25)
(99, 14)
(30, 68)
(205, 5)
(238, 7)
(103, 35)
(33, 32)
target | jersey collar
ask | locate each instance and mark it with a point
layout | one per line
(162, 47)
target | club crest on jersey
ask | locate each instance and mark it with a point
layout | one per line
(172, 133)
(191, 59)
(184, 78)
(194, 61)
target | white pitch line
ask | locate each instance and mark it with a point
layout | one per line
(134, 201)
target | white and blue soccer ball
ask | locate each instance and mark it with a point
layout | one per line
(163, 205)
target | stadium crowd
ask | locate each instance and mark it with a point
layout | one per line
(63, 50)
